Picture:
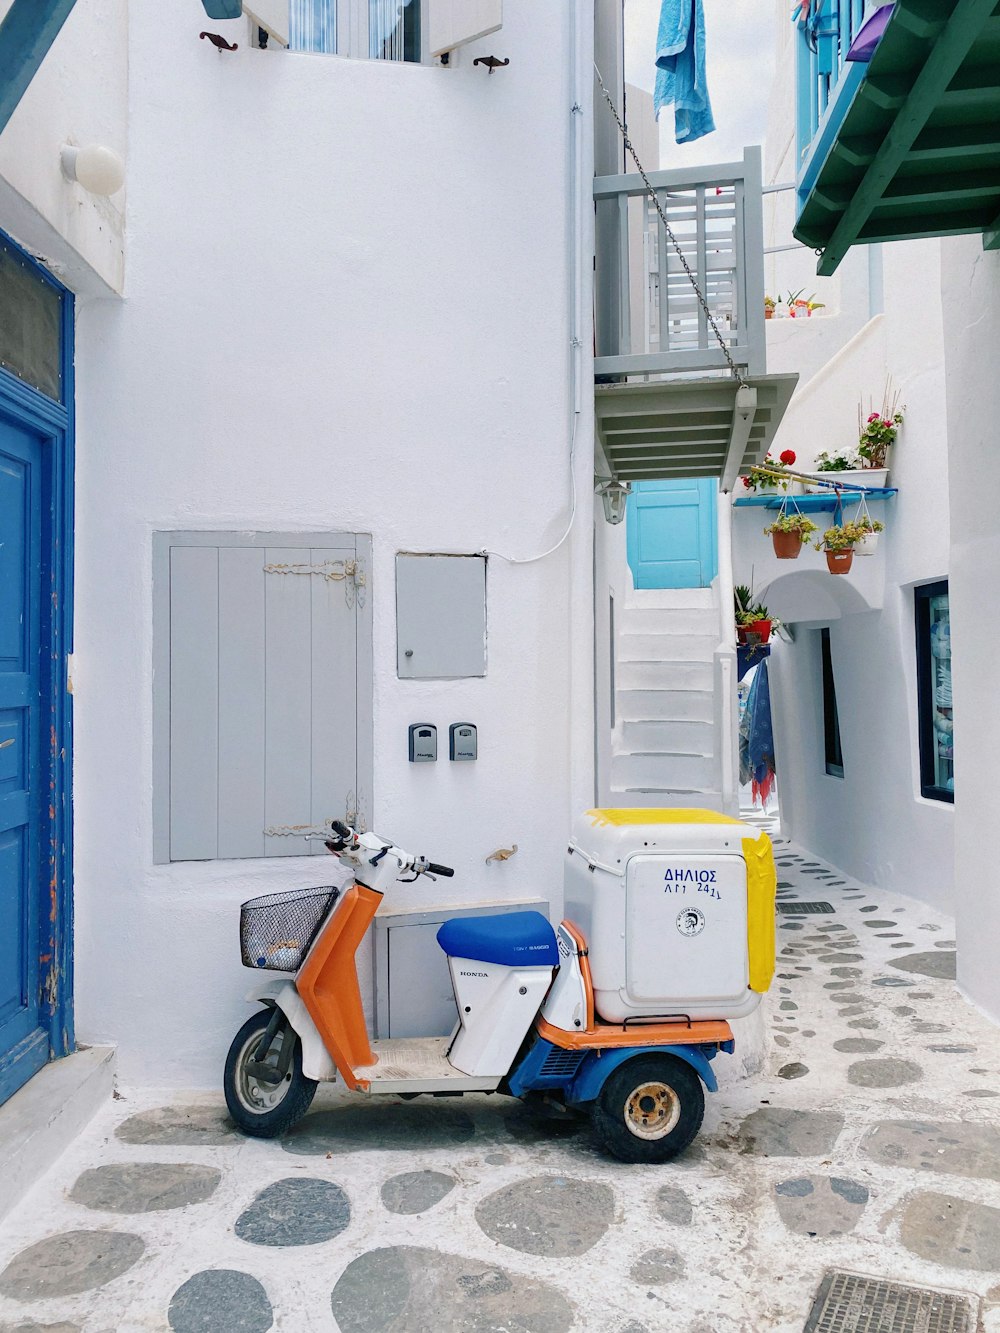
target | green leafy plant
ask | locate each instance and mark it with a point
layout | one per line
(799, 523)
(748, 612)
(869, 524)
(842, 536)
(839, 461)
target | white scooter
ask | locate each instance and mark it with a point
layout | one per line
(527, 1024)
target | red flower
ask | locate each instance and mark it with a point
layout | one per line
(787, 457)
(874, 417)
(746, 482)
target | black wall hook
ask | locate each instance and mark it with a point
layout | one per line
(220, 43)
(492, 62)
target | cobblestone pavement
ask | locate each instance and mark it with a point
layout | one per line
(870, 1143)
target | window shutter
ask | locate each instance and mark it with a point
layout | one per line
(262, 697)
(455, 22)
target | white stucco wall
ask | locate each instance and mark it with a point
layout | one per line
(873, 822)
(78, 96)
(971, 283)
(349, 309)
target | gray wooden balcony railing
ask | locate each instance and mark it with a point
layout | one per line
(648, 318)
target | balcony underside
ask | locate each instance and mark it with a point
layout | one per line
(917, 150)
(687, 427)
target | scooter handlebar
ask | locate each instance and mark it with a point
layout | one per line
(434, 869)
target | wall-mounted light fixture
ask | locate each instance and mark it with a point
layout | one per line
(98, 169)
(614, 494)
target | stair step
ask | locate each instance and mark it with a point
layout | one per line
(665, 706)
(644, 798)
(667, 598)
(667, 676)
(663, 772)
(667, 647)
(670, 620)
(666, 736)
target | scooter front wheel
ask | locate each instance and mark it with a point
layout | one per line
(266, 1095)
(649, 1109)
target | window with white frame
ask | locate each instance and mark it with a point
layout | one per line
(410, 31)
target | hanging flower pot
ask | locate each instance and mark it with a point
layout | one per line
(839, 562)
(788, 532)
(787, 545)
(838, 544)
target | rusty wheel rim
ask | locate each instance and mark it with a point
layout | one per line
(652, 1110)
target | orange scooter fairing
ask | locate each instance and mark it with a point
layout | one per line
(328, 984)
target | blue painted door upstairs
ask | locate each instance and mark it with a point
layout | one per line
(672, 537)
(24, 1036)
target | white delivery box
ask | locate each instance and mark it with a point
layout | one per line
(677, 907)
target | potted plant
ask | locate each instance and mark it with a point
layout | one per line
(760, 479)
(877, 431)
(769, 304)
(788, 533)
(838, 543)
(800, 307)
(871, 527)
(841, 466)
(753, 620)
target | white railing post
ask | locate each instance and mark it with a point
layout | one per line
(726, 738)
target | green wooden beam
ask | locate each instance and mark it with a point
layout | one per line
(943, 61)
(991, 236)
(28, 30)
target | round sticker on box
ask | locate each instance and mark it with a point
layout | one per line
(690, 921)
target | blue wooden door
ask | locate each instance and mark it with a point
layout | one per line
(672, 538)
(24, 1035)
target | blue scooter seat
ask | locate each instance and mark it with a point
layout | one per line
(514, 939)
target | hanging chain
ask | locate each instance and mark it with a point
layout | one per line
(741, 379)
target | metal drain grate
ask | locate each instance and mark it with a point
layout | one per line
(792, 908)
(846, 1303)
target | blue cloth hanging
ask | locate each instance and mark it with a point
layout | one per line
(757, 739)
(680, 69)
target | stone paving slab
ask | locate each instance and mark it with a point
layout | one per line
(868, 1142)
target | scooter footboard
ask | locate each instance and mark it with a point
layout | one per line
(316, 1062)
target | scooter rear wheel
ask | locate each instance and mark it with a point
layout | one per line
(261, 1108)
(649, 1109)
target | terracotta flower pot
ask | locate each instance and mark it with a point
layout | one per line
(762, 628)
(787, 545)
(839, 562)
(743, 634)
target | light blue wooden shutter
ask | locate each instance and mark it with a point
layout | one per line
(262, 658)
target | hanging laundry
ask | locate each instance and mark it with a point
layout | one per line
(680, 69)
(757, 740)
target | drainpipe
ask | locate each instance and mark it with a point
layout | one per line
(582, 719)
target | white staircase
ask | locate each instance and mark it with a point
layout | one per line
(666, 748)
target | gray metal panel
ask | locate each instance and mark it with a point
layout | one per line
(334, 693)
(194, 695)
(288, 703)
(241, 701)
(413, 991)
(440, 616)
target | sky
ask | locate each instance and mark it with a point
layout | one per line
(740, 66)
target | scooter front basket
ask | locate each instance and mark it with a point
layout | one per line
(277, 930)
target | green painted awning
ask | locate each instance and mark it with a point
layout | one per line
(917, 150)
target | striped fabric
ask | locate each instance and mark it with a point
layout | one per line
(312, 26)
